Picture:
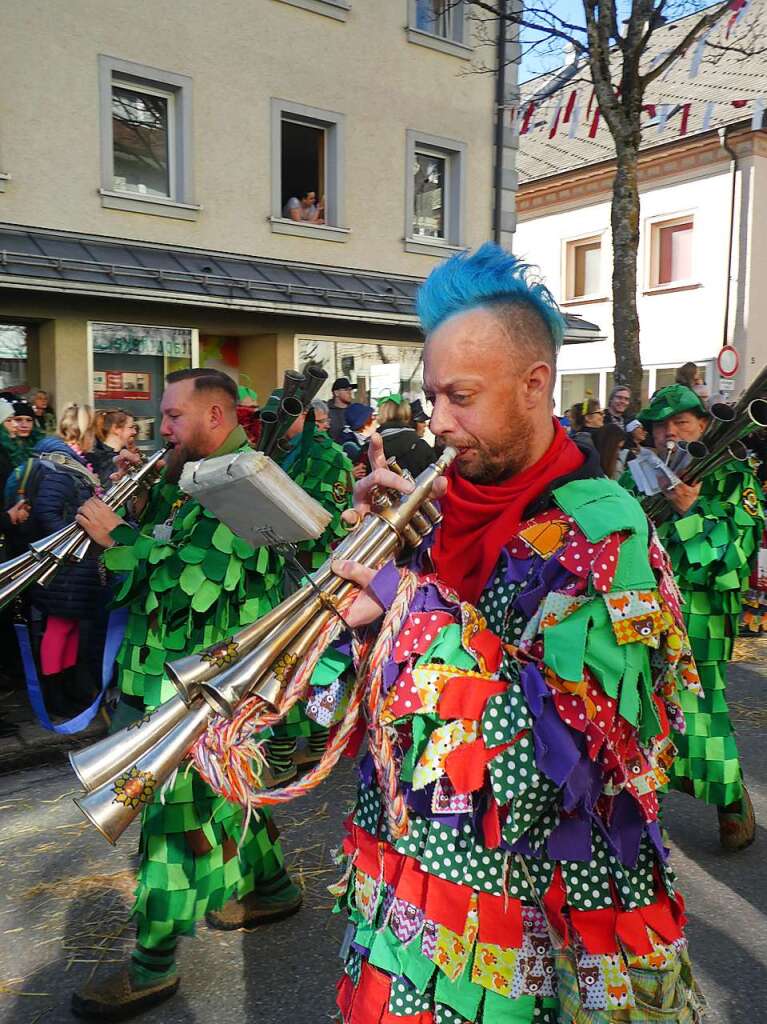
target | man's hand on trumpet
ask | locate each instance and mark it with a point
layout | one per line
(98, 521)
(366, 609)
(682, 496)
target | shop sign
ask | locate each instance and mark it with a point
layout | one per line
(135, 340)
(118, 385)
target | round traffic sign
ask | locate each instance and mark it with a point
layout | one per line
(728, 361)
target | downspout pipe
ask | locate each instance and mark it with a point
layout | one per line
(733, 173)
(500, 99)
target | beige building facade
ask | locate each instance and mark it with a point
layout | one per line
(153, 158)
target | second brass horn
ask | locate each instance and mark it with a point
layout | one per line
(127, 770)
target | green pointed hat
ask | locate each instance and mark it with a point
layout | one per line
(670, 401)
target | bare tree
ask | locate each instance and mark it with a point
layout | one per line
(611, 51)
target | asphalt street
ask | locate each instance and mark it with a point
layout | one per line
(66, 895)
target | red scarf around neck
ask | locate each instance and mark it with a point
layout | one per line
(480, 518)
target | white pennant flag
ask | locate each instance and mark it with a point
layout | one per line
(757, 117)
(575, 118)
(708, 113)
(697, 55)
(664, 109)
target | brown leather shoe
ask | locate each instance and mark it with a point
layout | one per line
(117, 997)
(737, 830)
(254, 910)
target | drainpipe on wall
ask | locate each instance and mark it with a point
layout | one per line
(500, 99)
(733, 172)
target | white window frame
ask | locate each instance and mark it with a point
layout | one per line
(334, 125)
(337, 9)
(569, 245)
(653, 227)
(455, 47)
(454, 154)
(177, 89)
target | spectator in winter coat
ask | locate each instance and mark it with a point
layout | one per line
(70, 611)
(618, 402)
(114, 431)
(355, 436)
(400, 439)
(589, 418)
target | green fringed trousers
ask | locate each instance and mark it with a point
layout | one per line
(707, 759)
(190, 862)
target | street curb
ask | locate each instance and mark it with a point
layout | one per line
(35, 746)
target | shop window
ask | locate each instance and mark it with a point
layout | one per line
(435, 193)
(146, 139)
(584, 268)
(15, 341)
(130, 363)
(374, 368)
(665, 375)
(671, 252)
(307, 172)
(576, 388)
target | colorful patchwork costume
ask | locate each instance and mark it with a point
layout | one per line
(189, 582)
(504, 861)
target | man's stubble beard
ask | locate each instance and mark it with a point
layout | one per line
(502, 459)
(178, 457)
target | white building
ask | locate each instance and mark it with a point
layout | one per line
(696, 290)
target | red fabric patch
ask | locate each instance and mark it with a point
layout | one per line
(554, 901)
(571, 710)
(355, 740)
(632, 932)
(578, 555)
(596, 928)
(491, 826)
(447, 903)
(465, 766)
(466, 698)
(406, 700)
(487, 646)
(660, 917)
(418, 634)
(606, 561)
(371, 997)
(367, 857)
(412, 883)
(500, 921)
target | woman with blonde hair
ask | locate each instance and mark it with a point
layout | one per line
(400, 439)
(77, 427)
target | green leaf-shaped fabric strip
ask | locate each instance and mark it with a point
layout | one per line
(206, 595)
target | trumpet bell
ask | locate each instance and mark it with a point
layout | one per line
(105, 759)
(114, 805)
(757, 411)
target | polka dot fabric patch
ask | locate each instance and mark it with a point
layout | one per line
(418, 634)
(506, 714)
(404, 1001)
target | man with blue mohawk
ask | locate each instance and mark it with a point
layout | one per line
(505, 863)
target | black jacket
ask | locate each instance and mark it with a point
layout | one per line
(404, 445)
(102, 460)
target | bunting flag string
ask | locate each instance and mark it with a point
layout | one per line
(567, 116)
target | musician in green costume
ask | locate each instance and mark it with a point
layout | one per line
(712, 538)
(318, 465)
(189, 582)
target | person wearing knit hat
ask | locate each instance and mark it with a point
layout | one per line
(18, 446)
(712, 538)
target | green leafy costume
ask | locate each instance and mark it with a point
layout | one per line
(189, 582)
(319, 466)
(712, 548)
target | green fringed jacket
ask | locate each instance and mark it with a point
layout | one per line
(19, 449)
(318, 465)
(188, 591)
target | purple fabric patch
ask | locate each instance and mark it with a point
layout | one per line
(534, 688)
(626, 829)
(656, 838)
(556, 752)
(390, 675)
(366, 770)
(419, 801)
(383, 586)
(571, 839)
(583, 786)
(406, 920)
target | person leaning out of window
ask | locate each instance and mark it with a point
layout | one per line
(45, 416)
(304, 207)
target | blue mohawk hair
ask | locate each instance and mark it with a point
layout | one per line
(489, 276)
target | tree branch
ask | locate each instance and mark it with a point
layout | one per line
(704, 23)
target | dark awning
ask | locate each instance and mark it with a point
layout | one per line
(58, 261)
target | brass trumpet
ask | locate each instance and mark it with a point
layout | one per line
(45, 557)
(125, 771)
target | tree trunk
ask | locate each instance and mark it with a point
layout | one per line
(624, 218)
